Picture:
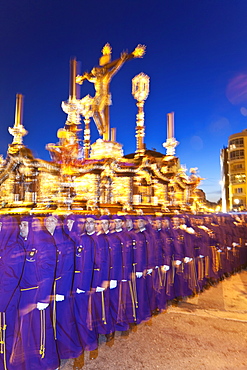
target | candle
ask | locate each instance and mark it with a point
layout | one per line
(73, 65)
(18, 109)
(113, 134)
(170, 125)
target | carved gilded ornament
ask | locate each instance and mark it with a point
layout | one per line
(107, 49)
(86, 106)
(139, 51)
(140, 87)
(72, 108)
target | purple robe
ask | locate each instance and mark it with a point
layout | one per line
(12, 258)
(179, 254)
(143, 311)
(84, 263)
(190, 271)
(64, 320)
(202, 250)
(169, 247)
(151, 247)
(35, 346)
(116, 273)
(100, 300)
(127, 311)
(162, 257)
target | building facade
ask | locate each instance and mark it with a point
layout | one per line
(234, 173)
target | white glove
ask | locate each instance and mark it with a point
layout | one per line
(78, 291)
(201, 256)
(139, 274)
(229, 248)
(178, 262)
(59, 297)
(124, 280)
(187, 259)
(149, 271)
(219, 250)
(113, 284)
(156, 267)
(42, 306)
(234, 244)
(165, 267)
(99, 289)
(190, 230)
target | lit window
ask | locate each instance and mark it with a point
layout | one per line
(237, 154)
(236, 143)
(238, 178)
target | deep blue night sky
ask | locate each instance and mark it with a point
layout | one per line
(196, 58)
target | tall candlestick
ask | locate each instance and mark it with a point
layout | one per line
(113, 134)
(73, 65)
(18, 131)
(171, 142)
(18, 109)
(170, 125)
(71, 107)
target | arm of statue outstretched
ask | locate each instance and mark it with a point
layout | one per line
(86, 76)
(138, 52)
(117, 64)
(114, 66)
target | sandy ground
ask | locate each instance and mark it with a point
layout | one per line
(208, 331)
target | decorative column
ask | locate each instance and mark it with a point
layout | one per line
(140, 91)
(18, 131)
(171, 142)
(97, 188)
(131, 185)
(86, 110)
(71, 107)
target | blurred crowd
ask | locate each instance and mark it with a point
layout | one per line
(66, 281)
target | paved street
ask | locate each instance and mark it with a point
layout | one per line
(208, 331)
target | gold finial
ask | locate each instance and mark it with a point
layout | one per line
(139, 51)
(106, 49)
